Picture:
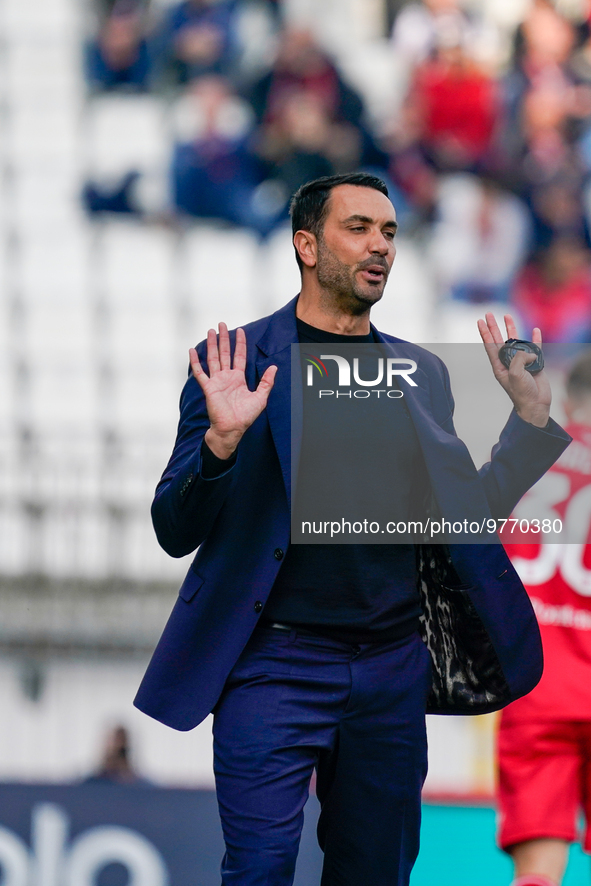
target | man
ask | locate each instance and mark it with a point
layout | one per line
(309, 655)
(545, 738)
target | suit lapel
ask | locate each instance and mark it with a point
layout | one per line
(279, 409)
(274, 348)
(418, 400)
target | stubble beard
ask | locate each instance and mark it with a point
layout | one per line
(341, 286)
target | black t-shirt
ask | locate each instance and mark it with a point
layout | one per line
(358, 592)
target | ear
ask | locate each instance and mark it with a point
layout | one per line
(306, 246)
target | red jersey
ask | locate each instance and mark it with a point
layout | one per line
(458, 105)
(558, 579)
(561, 311)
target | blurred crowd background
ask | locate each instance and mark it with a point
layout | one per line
(485, 140)
(148, 151)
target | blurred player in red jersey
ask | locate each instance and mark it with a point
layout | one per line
(545, 737)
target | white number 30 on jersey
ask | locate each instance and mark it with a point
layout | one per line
(566, 557)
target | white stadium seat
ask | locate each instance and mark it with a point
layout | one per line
(141, 337)
(137, 264)
(13, 539)
(61, 397)
(53, 266)
(42, 130)
(44, 68)
(43, 199)
(125, 132)
(59, 334)
(7, 391)
(144, 401)
(92, 542)
(223, 277)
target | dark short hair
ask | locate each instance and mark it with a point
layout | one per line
(309, 205)
(578, 383)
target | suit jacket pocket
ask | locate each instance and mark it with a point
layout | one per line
(190, 586)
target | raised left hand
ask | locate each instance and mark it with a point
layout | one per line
(531, 394)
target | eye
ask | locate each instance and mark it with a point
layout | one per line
(358, 228)
(390, 234)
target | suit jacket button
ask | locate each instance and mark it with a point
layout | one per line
(258, 606)
(278, 554)
(186, 483)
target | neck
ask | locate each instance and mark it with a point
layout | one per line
(321, 310)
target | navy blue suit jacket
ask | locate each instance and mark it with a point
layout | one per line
(240, 523)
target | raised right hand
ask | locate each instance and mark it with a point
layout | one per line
(231, 407)
(531, 394)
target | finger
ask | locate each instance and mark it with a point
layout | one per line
(266, 383)
(224, 347)
(493, 327)
(510, 326)
(519, 361)
(536, 336)
(492, 349)
(485, 332)
(213, 357)
(196, 368)
(240, 350)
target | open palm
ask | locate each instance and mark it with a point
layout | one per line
(231, 406)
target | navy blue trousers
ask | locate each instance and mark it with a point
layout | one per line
(296, 702)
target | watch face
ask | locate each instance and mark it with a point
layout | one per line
(510, 348)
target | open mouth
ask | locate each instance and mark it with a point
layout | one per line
(374, 273)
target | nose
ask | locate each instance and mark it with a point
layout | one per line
(381, 245)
